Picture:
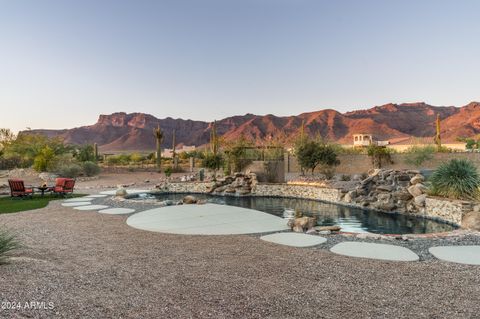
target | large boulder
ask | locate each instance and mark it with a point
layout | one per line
(121, 192)
(350, 196)
(417, 179)
(471, 221)
(303, 223)
(420, 200)
(417, 189)
(189, 199)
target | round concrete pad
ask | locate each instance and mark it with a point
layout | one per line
(294, 239)
(469, 255)
(75, 204)
(207, 219)
(117, 211)
(96, 196)
(91, 207)
(78, 199)
(129, 191)
(374, 251)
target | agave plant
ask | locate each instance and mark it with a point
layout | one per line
(8, 243)
(457, 179)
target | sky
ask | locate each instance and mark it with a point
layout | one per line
(62, 63)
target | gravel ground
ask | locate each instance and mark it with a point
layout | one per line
(419, 245)
(91, 265)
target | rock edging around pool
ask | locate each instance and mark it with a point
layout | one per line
(444, 210)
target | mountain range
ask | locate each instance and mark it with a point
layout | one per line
(122, 131)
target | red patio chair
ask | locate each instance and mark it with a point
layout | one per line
(64, 186)
(18, 189)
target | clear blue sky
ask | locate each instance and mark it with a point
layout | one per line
(62, 63)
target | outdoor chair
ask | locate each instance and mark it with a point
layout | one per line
(18, 189)
(64, 186)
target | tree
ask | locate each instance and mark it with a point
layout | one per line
(157, 132)
(236, 154)
(28, 147)
(313, 153)
(6, 138)
(471, 144)
(379, 155)
(86, 153)
(213, 162)
(45, 160)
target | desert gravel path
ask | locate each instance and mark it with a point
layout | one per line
(92, 265)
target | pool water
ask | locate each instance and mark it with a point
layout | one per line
(349, 219)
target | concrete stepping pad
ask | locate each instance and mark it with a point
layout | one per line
(207, 219)
(117, 211)
(129, 191)
(96, 196)
(78, 199)
(374, 251)
(469, 255)
(91, 207)
(294, 239)
(75, 204)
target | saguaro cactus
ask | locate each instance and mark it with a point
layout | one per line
(214, 138)
(174, 153)
(157, 132)
(438, 139)
(95, 151)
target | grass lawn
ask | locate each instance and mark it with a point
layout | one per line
(9, 205)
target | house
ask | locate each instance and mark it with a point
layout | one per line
(364, 140)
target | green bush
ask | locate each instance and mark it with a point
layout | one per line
(86, 153)
(168, 171)
(45, 160)
(457, 179)
(71, 170)
(212, 161)
(90, 168)
(8, 243)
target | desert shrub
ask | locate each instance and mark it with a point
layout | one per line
(168, 171)
(345, 177)
(90, 168)
(14, 161)
(8, 243)
(137, 158)
(212, 161)
(70, 170)
(417, 155)
(457, 178)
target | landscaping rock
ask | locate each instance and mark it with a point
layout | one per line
(328, 228)
(189, 199)
(303, 223)
(417, 189)
(420, 200)
(471, 221)
(417, 179)
(121, 192)
(388, 190)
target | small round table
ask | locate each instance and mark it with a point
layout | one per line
(43, 189)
